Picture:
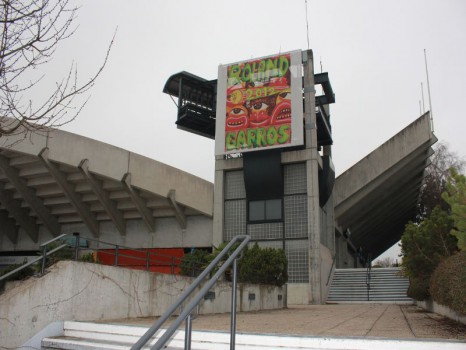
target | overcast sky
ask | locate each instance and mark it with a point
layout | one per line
(373, 51)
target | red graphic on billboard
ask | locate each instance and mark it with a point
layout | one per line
(258, 103)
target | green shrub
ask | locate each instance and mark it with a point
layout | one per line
(423, 246)
(66, 253)
(257, 265)
(192, 264)
(418, 288)
(263, 266)
(20, 275)
(448, 283)
(89, 257)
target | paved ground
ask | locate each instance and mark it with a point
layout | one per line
(347, 320)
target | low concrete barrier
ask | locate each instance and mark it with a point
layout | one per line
(432, 306)
(92, 292)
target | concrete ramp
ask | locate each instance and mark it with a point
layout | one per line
(377, 196)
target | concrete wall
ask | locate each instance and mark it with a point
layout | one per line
(86, 292)
(168, 234)
(298, 294)
(432, 306)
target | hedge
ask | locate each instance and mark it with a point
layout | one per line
(256, 265)
(448, 283)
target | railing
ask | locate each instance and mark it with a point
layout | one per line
(42, 257)
(173, 263)
(368, 276)
(186, 313)
(331, 269)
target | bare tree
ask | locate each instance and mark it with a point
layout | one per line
(30, 32)
(435, 180)
(386, 262)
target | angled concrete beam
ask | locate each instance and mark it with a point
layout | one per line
(139, 203)
(29, 195)
(20, 214)
(75, 199)
(179, 213)
(8, 227)
(108, 205)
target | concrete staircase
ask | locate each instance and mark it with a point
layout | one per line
(96, 336)
(386, 285)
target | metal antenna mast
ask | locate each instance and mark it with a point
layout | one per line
(307, 26)
(422, 93)
(428, 91)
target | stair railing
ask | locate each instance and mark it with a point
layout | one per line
(42, 257)
(334, 259)
(144, 255)
(368, 276)
(185, 315)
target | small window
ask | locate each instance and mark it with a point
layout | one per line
(266, 210)
(273, 209)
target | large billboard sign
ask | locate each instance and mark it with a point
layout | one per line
(259, 104)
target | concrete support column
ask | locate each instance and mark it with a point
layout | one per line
(312, 167)
(217, 237)
(330, 226)
(342, 250)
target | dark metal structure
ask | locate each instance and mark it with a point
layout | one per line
(197, 104)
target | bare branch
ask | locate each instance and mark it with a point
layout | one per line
(30, 32)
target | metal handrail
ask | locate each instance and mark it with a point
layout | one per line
(368, 277)
(331, 269)
(186, 313)
(43, 257)
(45, 254)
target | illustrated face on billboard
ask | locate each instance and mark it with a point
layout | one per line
(257, 108)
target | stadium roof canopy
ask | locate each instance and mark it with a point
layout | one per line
(377, 196)
(58, 178)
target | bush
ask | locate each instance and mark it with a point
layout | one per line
(20, 275)
(448, 283)
(264, 266)
(192, 264)
(66, 253)
(257, 265)
(418, 288)
(90, 257)
(424, 246)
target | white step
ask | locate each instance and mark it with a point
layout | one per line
(97, 336)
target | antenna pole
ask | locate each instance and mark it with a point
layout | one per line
(307, 26)
(422, 93)
(428, 91)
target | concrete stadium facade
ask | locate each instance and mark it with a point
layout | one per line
(60, 182)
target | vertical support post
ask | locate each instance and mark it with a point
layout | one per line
(233, 305)
(173, 265)
(312, 170)
(44, 258)
(187, 334)
(116, 256)
(219, 198)
(76, 245)
(147, 259)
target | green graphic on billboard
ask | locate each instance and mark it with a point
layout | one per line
(257, 109)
